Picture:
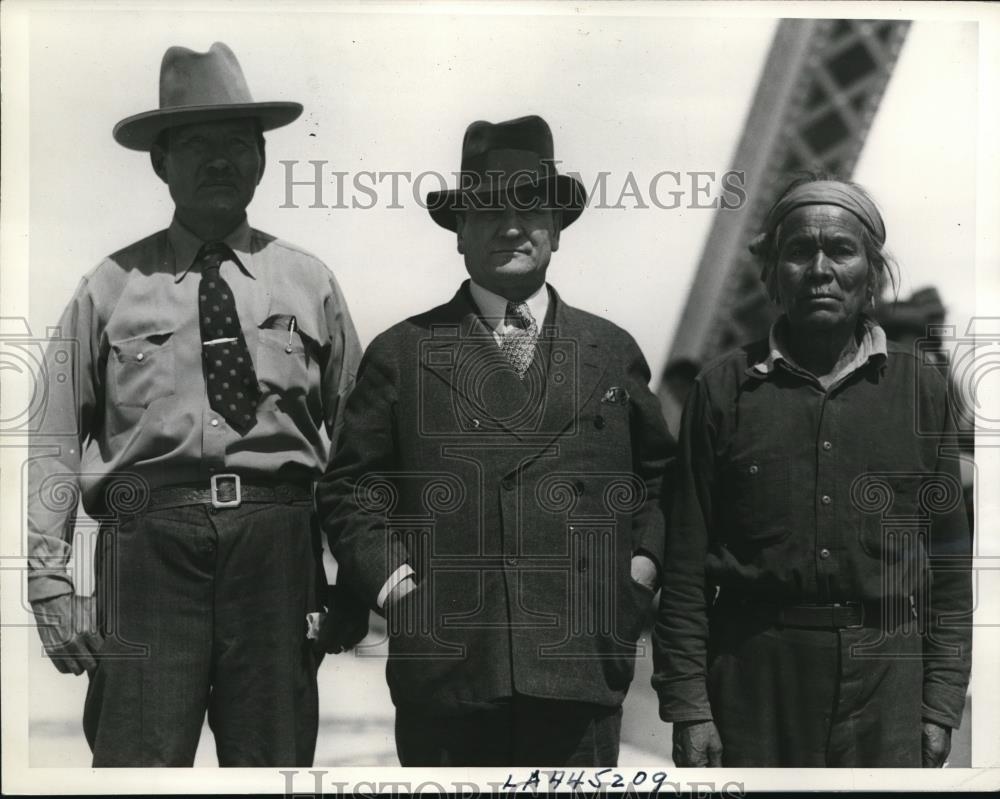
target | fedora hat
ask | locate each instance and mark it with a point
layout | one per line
(200, 87)
(512, 159)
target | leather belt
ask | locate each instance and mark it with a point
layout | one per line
(227, 491)
(815, 616)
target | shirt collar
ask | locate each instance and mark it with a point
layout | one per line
(872, 345)
(493, 307)
(186, 246)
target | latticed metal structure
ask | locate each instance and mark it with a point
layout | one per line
(818, 93)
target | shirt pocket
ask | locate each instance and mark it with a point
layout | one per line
(284, 359)
(894, 525)
(755, 501)
(143, 369)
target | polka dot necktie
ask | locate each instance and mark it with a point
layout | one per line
(518, 343)
(229, 374)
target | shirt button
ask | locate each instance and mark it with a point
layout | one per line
(214, 423)
(825, 499)
(139, 357)
(824, 553)
(754, 468)
(827, 446)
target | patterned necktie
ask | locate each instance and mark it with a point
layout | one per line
(229, 374)
(518, 343)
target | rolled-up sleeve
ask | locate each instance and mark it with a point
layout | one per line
(70, 380)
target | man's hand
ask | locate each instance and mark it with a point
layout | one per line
(935, 744)
(346, 621)
(696, 744)
(644, 571)
(67, 625)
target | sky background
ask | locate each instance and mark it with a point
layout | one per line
(396, 92)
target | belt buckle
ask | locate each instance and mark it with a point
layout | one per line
(226, 503)
(861, 617)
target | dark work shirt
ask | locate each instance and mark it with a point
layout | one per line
(791, 493)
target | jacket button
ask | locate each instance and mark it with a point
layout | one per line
(599, 422)
(139, 357)
(507, 483)
(824, 553)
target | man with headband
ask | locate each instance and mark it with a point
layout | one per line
(816, 602)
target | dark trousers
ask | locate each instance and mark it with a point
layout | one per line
(522, 731)
(205, 609)
(824, 698)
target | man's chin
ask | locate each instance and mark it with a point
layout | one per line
(819, 321)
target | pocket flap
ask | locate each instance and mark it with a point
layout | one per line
(138, 348)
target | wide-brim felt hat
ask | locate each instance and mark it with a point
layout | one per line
(201, 87)
(512, 160)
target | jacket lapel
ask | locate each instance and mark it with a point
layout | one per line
(460, 349)
(575, 368)
(461, 345)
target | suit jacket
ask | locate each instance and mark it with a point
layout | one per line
(519, 504)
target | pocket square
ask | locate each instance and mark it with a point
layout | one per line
(616, 395)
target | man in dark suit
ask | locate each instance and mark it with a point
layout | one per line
(496, 489)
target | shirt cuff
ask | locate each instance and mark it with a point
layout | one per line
(943, 705)
(48, 585)
(402, 573)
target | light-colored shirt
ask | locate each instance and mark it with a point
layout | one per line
(126, 389)
(493, 310)
(872, 344)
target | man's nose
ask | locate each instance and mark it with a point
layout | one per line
(217, 158)
(820, 266)
(218, 162)
(510, 222)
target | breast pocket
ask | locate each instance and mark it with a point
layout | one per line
(143, 369)
(284, 362)
(894, 520)
(755, 501)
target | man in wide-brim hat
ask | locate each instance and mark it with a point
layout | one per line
(211, 358)
(495, 490)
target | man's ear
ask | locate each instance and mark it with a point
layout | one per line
(459, 224)
(557, 217)
(158, 157)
